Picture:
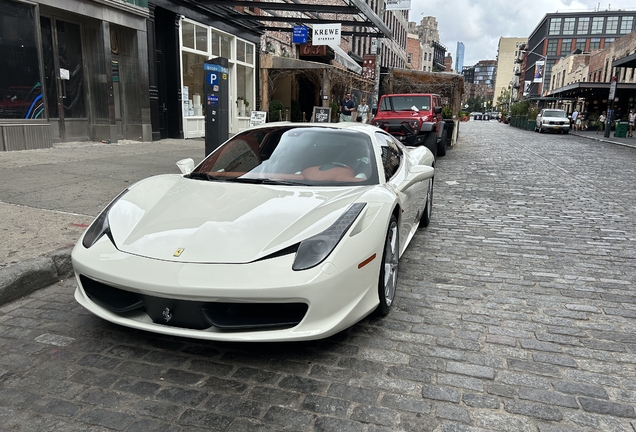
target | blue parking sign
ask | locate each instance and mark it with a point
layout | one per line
(299, 35)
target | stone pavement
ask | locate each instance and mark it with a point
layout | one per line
(516, 311)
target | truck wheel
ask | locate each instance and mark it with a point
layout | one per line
(441, 146)
(430, 142)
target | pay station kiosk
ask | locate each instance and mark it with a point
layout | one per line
(217, 116)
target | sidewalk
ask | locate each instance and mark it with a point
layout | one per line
(627, 142)
(50, 196)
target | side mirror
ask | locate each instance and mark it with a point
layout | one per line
(418, 173)
(437, 110)
(186, 165)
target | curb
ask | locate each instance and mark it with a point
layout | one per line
(603, 139)
(23, 278)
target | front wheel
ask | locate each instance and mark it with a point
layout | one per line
(428, 207)
(387, 282)
(430, 142)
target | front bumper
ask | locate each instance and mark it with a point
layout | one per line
(325, 299)
(555, 127)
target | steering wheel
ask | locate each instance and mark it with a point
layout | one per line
(330, 165)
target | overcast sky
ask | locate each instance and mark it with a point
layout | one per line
(479, 24)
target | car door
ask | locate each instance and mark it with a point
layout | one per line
(395, 164)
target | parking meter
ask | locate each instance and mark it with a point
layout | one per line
(216, 102)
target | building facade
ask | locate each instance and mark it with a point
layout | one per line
(429, 37)
(486, 73)
(459, 57)
(508, 70)
(73, 71)
(561, 33)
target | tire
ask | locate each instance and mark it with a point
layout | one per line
(387, 281)
(430, 142)
(441, 146)
(540, 129)
(428, 207)
(566, 132)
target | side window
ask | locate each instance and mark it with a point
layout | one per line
(391, 154)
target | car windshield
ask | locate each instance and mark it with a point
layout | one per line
(554, 113)
(306, 155)
(404, 103)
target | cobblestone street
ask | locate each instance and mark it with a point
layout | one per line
(516, 311)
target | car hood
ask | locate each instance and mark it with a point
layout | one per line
(221, 222)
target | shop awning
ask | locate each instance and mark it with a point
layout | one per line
(343, 57)
(356, 17)
(626, 62)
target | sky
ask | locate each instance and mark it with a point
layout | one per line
(479, 24)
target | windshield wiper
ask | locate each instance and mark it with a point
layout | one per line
(267, 181)
(197, 175)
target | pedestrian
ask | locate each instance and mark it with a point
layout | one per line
(631, 119)
(584, 118)
(576, 120)
(363, 111)
(601, 122)
(347, 107)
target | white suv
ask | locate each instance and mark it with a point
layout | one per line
(550, 119)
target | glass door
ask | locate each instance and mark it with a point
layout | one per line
(64, 72)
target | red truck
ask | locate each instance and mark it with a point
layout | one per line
(415, 119)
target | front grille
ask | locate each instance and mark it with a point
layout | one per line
(226, 316)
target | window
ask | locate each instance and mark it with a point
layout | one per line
(220, 45)
(568, 26)
(584, 26)
(566, 46)
(194, 36)
(21, 95)
(555, 26)
(612, 25)
(391, 154)
(595, 43)
(597, 25)
(552, 47)
(626, 25)
(244, 52)
(548, 70)
(609, 41)
(580, 44)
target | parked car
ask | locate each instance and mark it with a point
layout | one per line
(414, 119)
(476, 115)
(553, 120)
(286, 232)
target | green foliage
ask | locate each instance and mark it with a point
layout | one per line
(296, 114)
(520, 108)
(335, 106)
(447, 112)
(276, 111)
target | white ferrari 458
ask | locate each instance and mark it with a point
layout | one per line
(286, 232)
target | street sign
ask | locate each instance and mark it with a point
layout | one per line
(612, 89)
(299, 35)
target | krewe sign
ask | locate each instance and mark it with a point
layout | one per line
(326, 34)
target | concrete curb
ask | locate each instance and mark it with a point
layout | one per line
(603, 139)
(23, 278)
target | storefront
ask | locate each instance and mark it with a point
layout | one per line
(200, 43)
(181, 39)
(72, 76)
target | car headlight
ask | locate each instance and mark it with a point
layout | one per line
(415, 125)
(316, 249)
(100, 225)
